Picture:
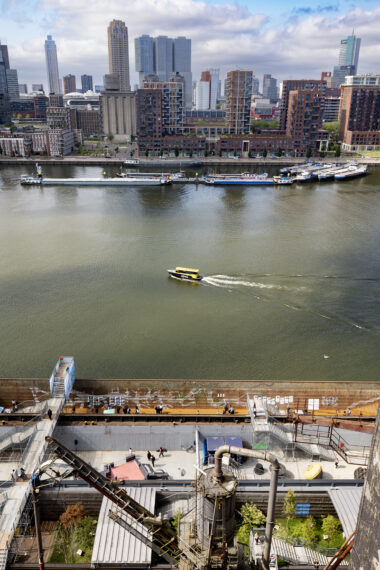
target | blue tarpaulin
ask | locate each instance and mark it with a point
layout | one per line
(214, 442)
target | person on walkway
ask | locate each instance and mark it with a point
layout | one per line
(153, 459)
(22, 473)
(137, 409)
(225, 409)
(130, 451)
(50, 414)
(128, 410)
(161, 450)
(256, 538)
(336, 464)
(149, 455)
(125, 409)
(231, 411)
(14, 476)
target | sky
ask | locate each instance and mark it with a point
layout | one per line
(289, 39)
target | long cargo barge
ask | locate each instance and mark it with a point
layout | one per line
(127, 181)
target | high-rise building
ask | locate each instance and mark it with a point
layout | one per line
(12, 81)
(118, 52)
(328, 78)
(86, 81)
(182, 65)
(270, 88)
(52, 65)
(23, 88)
(202, 95)
(238, 101)
(144, 57)
(37, 87)
(69, 84)
(304, 119)
(5, 107)
(163, 57)
(172, 104)
(295, 85)
(255, 86)
(359, 112)
(348, 59)
(149, 113)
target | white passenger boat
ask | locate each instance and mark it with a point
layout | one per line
(352, 172)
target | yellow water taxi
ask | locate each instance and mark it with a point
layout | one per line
(185, 274)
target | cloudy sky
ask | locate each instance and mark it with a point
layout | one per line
(287, 38)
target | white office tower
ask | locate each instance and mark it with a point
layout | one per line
(202, 99)
(214, 88)
(52, 66)
(118, 52)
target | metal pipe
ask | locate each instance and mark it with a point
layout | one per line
(264, 456)
(36, 513)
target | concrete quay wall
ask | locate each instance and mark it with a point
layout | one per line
(185, 393)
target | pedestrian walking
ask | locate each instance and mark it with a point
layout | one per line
(125, 409)
(256, 538)
(14, 476)
(128, 410)
(153, 459)
(336, 464)
(22, 473)
(161, 450)
(225, 409)
(130, 451)
(50, 414)
(231, 411)
(149, 455)
(137, 409)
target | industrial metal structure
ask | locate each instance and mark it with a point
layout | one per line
(208, 541)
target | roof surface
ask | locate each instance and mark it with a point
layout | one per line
(346, 502)
(113, 544)
(128, 471)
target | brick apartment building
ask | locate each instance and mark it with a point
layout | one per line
(238, 101)
(359, 112)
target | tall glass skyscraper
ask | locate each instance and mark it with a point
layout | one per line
(118, 52)
(163, 56)
(144, 57)
(348, 59)
(52, 65)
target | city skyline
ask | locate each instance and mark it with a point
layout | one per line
(298, 42)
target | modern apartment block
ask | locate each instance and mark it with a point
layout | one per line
(162, 56)
(23, 88)
(52, 65)
(348, 59)
(359, 113)
(304, 120)
(37, 87)
(294, 85)
(69, 84)
(270, 88)
(172, 117)
(118, 52)
(86, 82)
(238, 101)
(149, 113)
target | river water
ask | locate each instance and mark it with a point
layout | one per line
(291, 288)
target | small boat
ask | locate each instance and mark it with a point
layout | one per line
(284, 180)
(185, 274)
(351, 172)
(313, 471)
(132, 161)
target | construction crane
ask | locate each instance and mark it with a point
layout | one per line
(164, 536)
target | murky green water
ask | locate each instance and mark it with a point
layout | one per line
(291, 289)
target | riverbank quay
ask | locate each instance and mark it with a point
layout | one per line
(177, 162)
(203, 397)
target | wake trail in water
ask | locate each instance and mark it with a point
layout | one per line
(234, 282)
(223, 280)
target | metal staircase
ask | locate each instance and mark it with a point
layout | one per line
(261, 422)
